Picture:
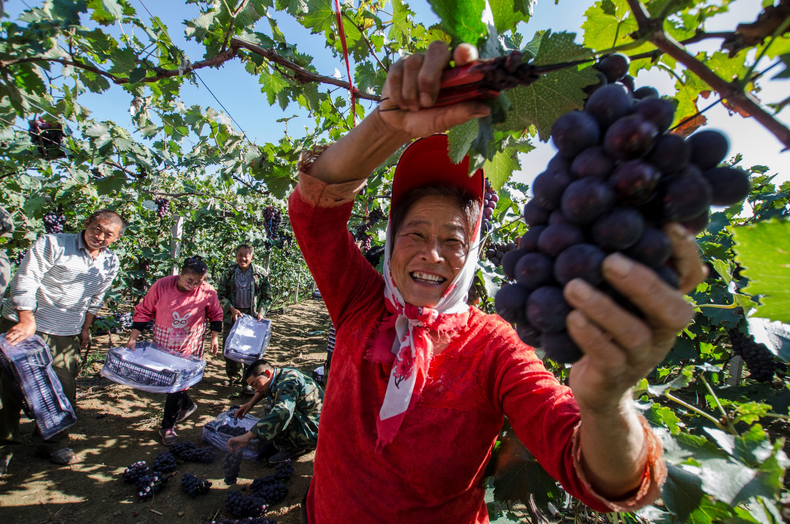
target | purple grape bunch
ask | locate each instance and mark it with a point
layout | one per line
(162, 206)
(54, 223)
(758, 358)
(271, 221)
(618, 177)
(490, 199)
(497, 252)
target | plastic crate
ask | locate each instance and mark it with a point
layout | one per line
(248, 339)
(29, 366)
(218, 439)
(150, 368)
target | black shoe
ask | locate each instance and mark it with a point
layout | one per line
(62, 456)
(4, 462)
(184, 413)
(285, 454)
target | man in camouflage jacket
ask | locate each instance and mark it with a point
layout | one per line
(292, 422)
(242, 289)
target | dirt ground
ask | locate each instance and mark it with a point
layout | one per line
(118, 425)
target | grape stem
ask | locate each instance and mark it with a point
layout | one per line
(731, 91)
(698, 411)
(724, 414)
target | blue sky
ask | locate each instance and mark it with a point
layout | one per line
(240, 93)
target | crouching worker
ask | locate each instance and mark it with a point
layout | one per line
(292, 423)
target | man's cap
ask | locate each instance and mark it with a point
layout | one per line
(426, 162)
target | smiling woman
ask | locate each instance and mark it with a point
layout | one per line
(422, 382)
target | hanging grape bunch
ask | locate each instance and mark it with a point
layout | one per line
(758, 358)
(490, 199)
(53, 223)
(231, 464)
(617, 179)
(17, 258)
(271, 221)
(162, 205)
(361, 231)
(496, 252)
(47, 137)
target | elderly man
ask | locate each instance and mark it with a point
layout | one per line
(55, 294)
(243, 289)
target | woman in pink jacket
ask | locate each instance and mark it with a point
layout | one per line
(180, 305)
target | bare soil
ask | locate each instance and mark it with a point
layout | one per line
(118, 425)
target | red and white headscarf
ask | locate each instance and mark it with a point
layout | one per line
(411, 345)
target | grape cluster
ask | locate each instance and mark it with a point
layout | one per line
(124, 320)
(164, 462)
(490, 199)
(53, 223)
(231, 464)
(18, 257)
(495, 253)
(271, 221)
(46, 136)
(233, 431)
(179, 448)
(162, 205)
(361, 235)
(618, 177)
(204, 455)
(194, 486)
(270, 489)
(135, 471)
(284, 470)
(147, 482)
(239, 505)
(757, 357)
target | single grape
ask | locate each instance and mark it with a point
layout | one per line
(593, 162)
(645, 92)
(697, 224)
(528, 334)
(559, 237)
(534, 270)
(730, 185)
(609, 104)
(574, 132)
(534, 215)
(630, 137)
(708, 148)
(652, 249)
(634, 182)
(686, 196)
(529, 242)
(613, 66)
(549, 186)
(656, 110)
(579, 261)
(547, 309)
(619, 229)
(510, 260)
(560, 347)
(510, 302)
(586, 199)
(670, 154)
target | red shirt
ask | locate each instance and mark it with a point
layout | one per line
(432, 471)
(179, 316)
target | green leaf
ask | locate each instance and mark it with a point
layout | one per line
(553, 95)
(319, 16)
(106, 12)
(763, 250)
(509, 13)
(682, 492)
(499, 169)
(124, 61)
(733, 483)
(785, 59)
(137, 75)
(461, 20)
(460, 138)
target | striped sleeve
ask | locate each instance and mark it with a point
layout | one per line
(96, 300)
(38, 260)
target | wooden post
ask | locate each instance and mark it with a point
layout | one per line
(176, 232)
(296, 298)
(735, 370)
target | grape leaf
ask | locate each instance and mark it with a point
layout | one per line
(609, 24)
(553, 95)
(499, 169)
(682, 492)
(319, 16)
(509, 13)
(763, 250)
(461, 20)
(460, 138)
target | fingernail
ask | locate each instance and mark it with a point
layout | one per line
(579, 290)
(618, 264)
(678, 232)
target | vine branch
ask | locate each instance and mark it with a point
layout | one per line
(301, 74)
(731, 91)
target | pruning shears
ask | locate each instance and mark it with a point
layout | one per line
(484, 79)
